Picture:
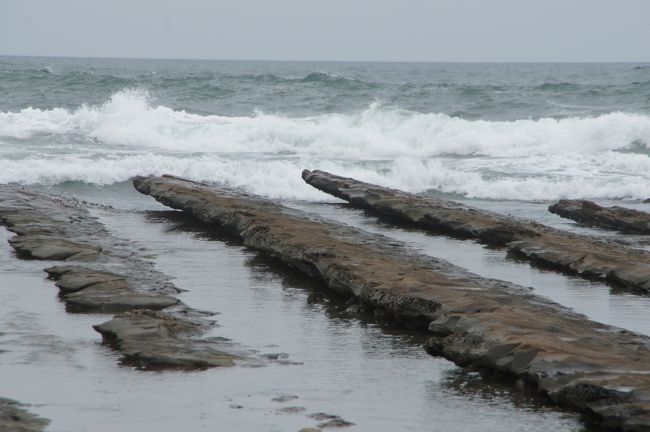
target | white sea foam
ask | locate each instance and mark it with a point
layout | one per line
(600, 157)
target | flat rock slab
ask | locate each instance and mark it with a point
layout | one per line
(105, 274)
(613, 218)
(153, 340)
(14, 418)
(586, 256)
(55, 229)
(588, 366)
(47, 248)
(87, 290)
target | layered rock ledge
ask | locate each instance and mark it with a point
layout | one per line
(585, 365)
(153, 339)
(586, 256)
(613, 218)
(14, 418)
(104, 274)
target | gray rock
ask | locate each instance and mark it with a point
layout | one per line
(323, 416)
(46, 248)
(284, 398)
(152, 340)
(291, 410)
(335, 423)
(614, 218)
(115, 297)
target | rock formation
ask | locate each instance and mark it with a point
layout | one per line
(490, 324)
(586, 256)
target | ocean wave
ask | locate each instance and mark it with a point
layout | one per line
(129, 119)
(599, 157)
(610, 176)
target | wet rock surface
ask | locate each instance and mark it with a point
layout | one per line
(614, 218)
(14, 418)
(478, 322)
(150, 339)
(104, 274)
(586, 256)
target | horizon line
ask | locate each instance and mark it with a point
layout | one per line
(332, 61)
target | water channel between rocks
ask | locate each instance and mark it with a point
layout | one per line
(364, 370)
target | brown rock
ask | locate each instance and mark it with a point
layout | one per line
(490, 324)
(586, 256)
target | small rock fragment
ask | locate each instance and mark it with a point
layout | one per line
(284, 398)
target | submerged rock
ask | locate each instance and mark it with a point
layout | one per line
(152, 340)
(284, 398)
(586, 256)
(14, 418)
(495, 325)
(614, 218)
(335, 423)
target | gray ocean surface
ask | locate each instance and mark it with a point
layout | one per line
(495, 131)
(505, 137)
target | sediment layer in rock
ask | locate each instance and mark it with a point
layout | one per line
(586, 256)
(150, 339)
(14, 418)
(492, 324)
(614, 218)
(102, 274)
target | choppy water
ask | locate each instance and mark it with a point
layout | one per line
(497, 131)
(507, 137)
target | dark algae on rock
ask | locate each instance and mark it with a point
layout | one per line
(489, 324)
(613, 218)
(102, 274)
(586, 256)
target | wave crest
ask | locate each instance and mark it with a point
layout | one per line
(603, 156)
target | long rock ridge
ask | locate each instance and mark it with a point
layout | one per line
(585, 256)
(585, 365)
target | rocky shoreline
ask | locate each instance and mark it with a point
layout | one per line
(477, 322)
(585, 256)
(614, 218)
(103, 274)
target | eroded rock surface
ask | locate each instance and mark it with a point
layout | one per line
(87, 290)
(109, 277)
(487, 323)
(586, 256)
(104, 274)
(14, 418)
(614, 218)
(150, 339)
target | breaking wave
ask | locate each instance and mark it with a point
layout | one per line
(604, 156)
